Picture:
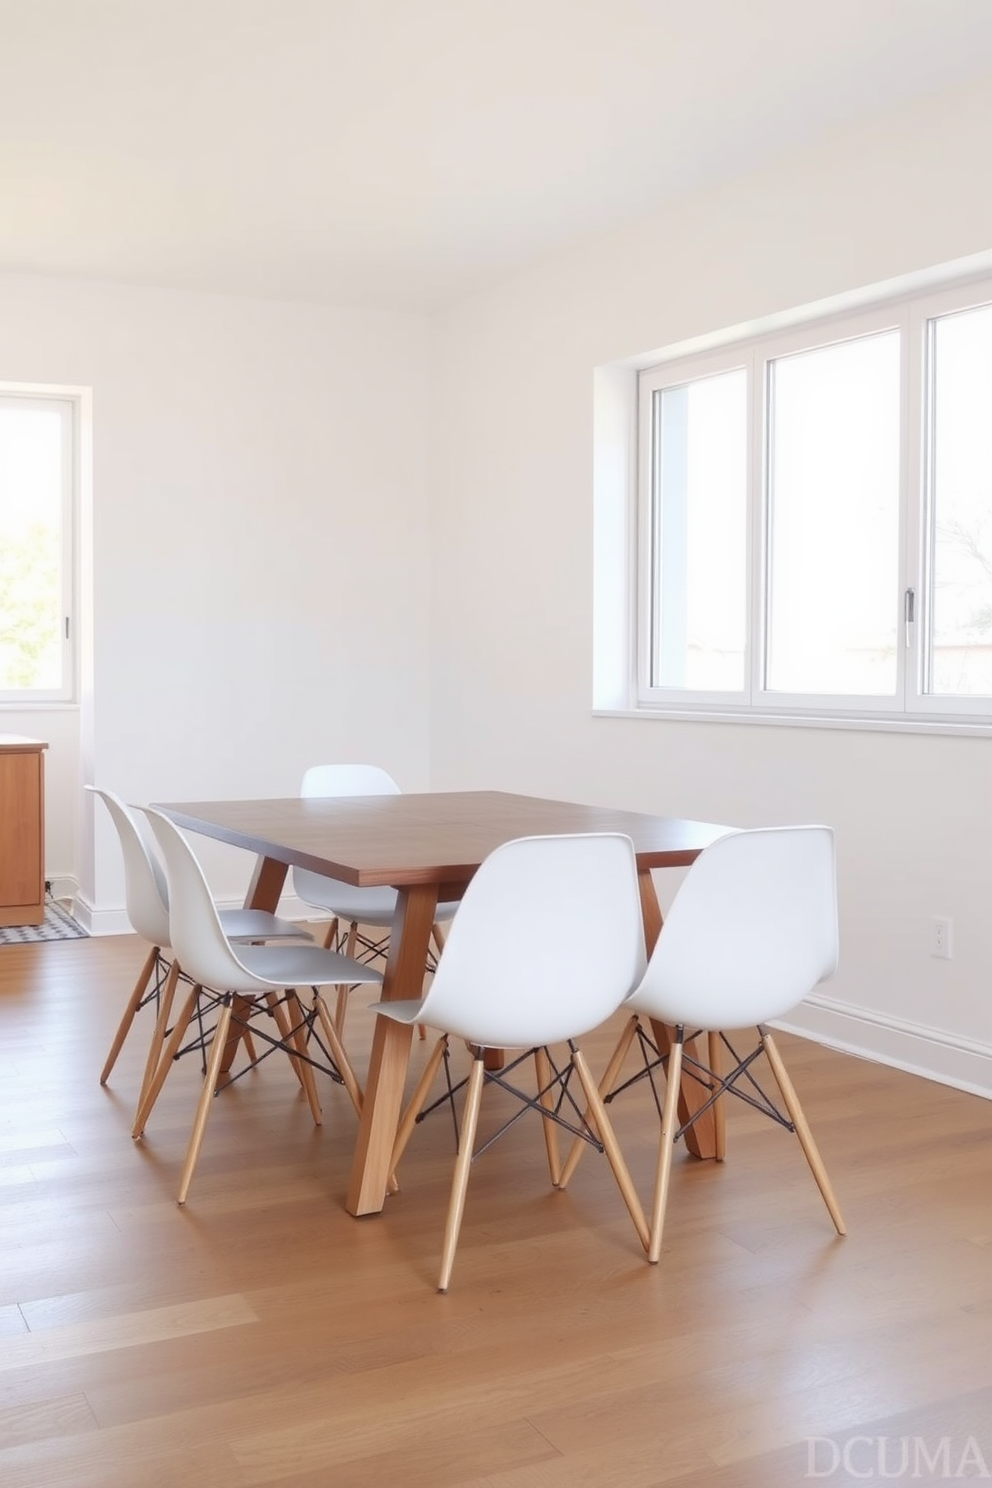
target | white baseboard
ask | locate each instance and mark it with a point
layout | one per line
(63, 887)
(100, 921)
(115, 921)
(947, 1058)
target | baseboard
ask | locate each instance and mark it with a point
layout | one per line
(96, 921)
(947, 1058)
(99, 921)
(63, 887)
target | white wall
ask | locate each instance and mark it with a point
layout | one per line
(512, 601)
(259, 594)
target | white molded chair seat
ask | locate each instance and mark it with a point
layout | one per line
(508, 980)
(349, 904)
(147, 902)
(243, 974)
(752, 930)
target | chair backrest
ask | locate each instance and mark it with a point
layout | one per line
(348, 780)
(145, 893)
(339, 780)
(752, 930)
(547, 942)
(198, 938)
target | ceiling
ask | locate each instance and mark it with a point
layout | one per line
(404, 153)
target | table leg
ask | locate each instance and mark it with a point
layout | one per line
(404, 978)
(266, 885)
(701, 1138)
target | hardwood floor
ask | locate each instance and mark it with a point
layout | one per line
(261, 1335)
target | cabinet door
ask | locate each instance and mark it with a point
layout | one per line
(21, 871)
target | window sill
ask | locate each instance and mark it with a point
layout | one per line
(887, 724)
(49, 705)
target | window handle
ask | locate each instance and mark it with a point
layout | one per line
(909, 613)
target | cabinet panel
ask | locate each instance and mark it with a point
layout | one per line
(22, 797)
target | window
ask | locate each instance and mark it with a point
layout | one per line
(958, 657)
(36, 568)
(815, 519)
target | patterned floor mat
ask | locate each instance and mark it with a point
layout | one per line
(58, 925)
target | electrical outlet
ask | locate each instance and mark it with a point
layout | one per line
(940, 938)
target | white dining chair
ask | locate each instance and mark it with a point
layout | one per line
(360, 909)
(245, 976)
(751, 931)
(512, 981)
(146, 898)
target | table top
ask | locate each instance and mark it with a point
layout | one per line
(436, 837)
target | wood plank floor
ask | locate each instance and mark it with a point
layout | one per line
(261, 1335)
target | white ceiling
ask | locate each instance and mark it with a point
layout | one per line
(402, 153)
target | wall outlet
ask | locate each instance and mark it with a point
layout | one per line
(940, 938)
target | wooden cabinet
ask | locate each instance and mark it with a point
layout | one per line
(22, 830)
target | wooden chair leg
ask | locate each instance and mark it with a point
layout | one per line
(542, 1069)
(437, 935)
(207, 1093)
(166, 1058)
(666, 1145)
(331, 937)
(612, 1148)
(339, 1056)
(298, 1036)
(463, 1163)
(605, 1086)
(344, 991)
(408, 1120)
(803, 1132)
(714, 1057)
(278, 1012)
(133, 1003)
(159, 1032)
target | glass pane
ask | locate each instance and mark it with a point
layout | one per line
(960, 660)
(31, 474)
(833, 471)
(700, 534)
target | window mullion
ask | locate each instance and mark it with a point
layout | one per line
(914, 547)
(757, 524)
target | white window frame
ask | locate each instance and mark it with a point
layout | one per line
(652, 381)
(923, 311)
(911, 316)
(67, 404)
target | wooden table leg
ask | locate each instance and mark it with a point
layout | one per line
(266, 885)
(404, 978)
(701, 1137)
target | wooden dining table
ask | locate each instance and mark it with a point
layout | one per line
(428, 846)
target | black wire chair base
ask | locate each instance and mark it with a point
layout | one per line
(448, 1098)
(717, 1085)
(367, 948)
(163, 968)
(210, 1001)
(560, 1082)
